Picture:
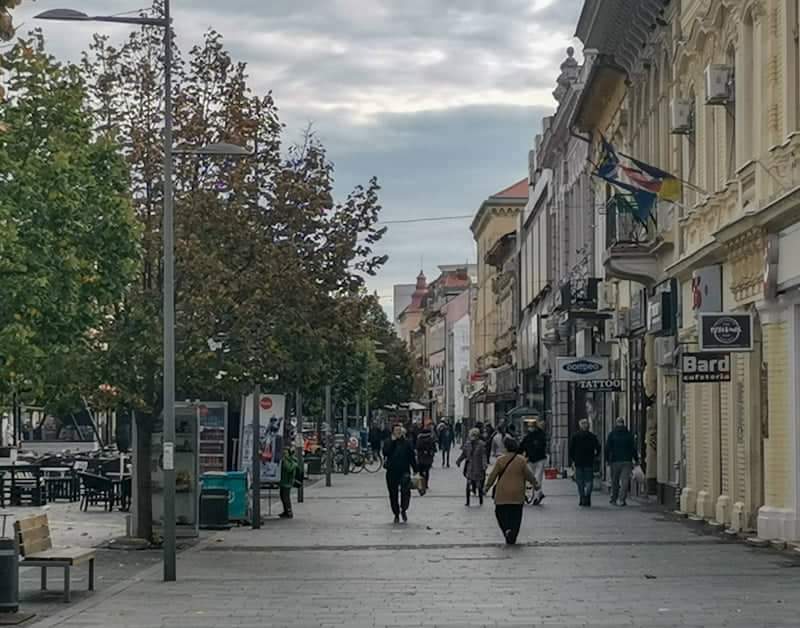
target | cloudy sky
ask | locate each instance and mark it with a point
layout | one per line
(440, 99)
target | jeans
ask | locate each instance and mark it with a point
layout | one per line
(509, 518)
(620, 480)
(538, 472)
(286, 499)
(584, 478)
(399, 487)
(446, 457)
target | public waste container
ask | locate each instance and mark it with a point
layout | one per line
(214, 509)
(235, 483)
(9, 573)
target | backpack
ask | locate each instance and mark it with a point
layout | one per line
(426, 447)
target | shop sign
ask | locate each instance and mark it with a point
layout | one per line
(726, 332)
(601, 385)
(707, 289)
(701, 368)
(572, 369)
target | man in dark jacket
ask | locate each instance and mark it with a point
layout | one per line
(399, 460)
(620, 455)
(445, 435)
(534, 446)
(583, 449)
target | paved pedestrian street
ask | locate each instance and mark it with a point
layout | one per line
(343, 563)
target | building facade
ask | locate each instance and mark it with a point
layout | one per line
(493, 382)
(706, 90)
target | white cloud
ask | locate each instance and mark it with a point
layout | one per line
(440, 98)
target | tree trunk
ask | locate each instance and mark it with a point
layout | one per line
(144, 493)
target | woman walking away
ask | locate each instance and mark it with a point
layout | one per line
(510, 472)
(474, 455)
(399, 460)
(426, 453)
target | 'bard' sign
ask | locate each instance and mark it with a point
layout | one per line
(700, 368)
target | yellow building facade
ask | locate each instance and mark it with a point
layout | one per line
(711, 93)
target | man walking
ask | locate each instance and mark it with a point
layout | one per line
(445, 441)
(535, 447)
(583, 449)
(399, 460)
(620, 455)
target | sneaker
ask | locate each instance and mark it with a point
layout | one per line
(538, 501)
(622, 504)
(286, 515)
(405, 517)
(397, 518)
(612, 501)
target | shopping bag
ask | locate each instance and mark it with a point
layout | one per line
(638, 474)
(418, 483)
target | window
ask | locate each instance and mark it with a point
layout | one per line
(746, 121)
(730, 124)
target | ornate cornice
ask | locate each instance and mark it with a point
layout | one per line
(746, 258)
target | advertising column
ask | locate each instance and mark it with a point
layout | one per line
(272, 416)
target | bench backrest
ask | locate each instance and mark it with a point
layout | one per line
(33, 535)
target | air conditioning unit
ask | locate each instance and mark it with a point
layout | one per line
(719, 84)
(682, 122)
(665, 351)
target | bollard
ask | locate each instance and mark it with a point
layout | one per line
(9, 573)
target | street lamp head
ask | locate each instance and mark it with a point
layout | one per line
(69, 15)
(223, 149)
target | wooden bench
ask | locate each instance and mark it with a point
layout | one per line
(36, 549)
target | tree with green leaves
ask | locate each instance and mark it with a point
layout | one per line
(68, 238)
(267, 263)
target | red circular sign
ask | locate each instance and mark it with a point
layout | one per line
(266, 403)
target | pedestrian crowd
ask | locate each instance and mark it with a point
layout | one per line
(495, 460)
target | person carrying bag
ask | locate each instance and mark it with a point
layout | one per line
(508, 477)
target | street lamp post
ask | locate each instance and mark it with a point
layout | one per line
(168, 230)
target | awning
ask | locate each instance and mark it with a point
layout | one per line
(520, 411)
(414, 406)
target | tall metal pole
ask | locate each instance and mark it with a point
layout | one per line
(346, 449)
(298, 412)
(330, 439)
(256, 470)
(366, 403)
(169, 313)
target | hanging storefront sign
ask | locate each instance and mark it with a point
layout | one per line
(707, 289)
(726, 332)
(601, 385)
(572, 369)
(702, 368)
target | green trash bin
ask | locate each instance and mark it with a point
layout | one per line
(235, 482)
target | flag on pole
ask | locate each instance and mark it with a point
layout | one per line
(636, 175)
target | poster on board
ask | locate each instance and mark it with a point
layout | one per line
(272, 415)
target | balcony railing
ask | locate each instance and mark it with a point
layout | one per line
(623, 226)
